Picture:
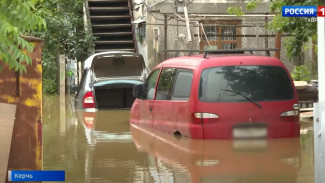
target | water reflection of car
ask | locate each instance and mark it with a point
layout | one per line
(105, 125)
(110, 152)
(108, 80)
(206, 161)
(219, 97)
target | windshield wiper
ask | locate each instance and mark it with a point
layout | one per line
(245, 96)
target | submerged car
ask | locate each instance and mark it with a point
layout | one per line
(219, 97)
(235, 161)
(108, 80)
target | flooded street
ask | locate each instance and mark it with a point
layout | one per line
(105, 148)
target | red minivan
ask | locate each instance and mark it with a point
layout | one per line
(222, 161)
(219, 97)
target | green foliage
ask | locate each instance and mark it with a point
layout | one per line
(65, 34)
(301, 73)
(235, 11)
(17, 18)
(301, 28)
(70, 73)
(50, 71)
(252, 4)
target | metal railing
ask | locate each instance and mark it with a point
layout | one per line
(225, 51)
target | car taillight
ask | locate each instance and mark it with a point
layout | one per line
(199, 117)
(89, 119)
(88, 100)
(290, 115)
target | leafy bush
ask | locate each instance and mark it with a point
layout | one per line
(65, 34)
(301, 73)
(17, 18)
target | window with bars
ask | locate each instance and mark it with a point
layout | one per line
(221, 35)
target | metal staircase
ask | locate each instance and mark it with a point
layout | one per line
(110, 22)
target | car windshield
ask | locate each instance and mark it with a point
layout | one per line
(117, 66)
(258, 83)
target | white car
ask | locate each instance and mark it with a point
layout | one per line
(108, 80)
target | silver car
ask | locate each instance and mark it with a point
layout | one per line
(108, 80)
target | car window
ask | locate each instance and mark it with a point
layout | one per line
(230, 83)
(183, 83)
(151, 84)
(165, 84)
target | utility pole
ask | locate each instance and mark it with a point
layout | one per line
(266, 39)
(278, 45)
(165, 36)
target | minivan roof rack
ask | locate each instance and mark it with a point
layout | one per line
(226, 51)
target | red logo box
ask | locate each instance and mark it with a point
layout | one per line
(321, 11)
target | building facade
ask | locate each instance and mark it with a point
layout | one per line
(162, 25)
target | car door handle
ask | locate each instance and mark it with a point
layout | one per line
(150, 109)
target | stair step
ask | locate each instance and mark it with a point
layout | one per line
(110, 25)
(125, 49)
(114, 42)
(97, 28)
(104, 1)
(114, 46)
(108, 8)
(112, 17)
(112, 33)
(108, 3)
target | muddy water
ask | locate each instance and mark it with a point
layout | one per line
(105, 148)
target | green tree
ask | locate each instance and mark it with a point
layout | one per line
(17, 18)
(301, 73)
(65, 34)
(301, 29)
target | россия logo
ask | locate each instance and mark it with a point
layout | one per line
(299, 11)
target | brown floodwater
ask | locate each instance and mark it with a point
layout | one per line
(105, 148)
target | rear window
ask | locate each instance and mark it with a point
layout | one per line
(260, 83)
(118, 65)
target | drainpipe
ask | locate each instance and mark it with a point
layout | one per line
(189, 37)
(257, 36)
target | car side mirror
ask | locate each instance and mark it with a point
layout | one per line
(138, 91)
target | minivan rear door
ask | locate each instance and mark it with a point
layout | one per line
(245, 95)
